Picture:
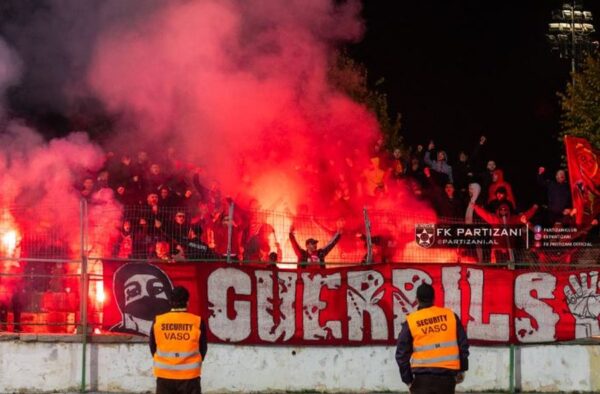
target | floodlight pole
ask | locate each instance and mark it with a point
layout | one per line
(578, 43)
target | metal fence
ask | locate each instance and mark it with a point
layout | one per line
(52, 255)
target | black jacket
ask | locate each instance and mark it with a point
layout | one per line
(303, 257)
(559, 194)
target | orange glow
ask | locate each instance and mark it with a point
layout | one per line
(100, 295)
(282, 235)
(10, 236)
(9, 241)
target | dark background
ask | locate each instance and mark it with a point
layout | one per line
(456, 70)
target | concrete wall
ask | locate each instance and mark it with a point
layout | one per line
(48, 363)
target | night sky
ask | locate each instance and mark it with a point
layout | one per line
(458, 69)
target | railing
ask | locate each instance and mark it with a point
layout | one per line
(41, 263)
(45, 267)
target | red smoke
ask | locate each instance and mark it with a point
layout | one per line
(39, 185)
(241, 89)
(235, 95)
(238, 88)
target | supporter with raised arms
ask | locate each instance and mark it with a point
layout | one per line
(441, 168)
(312, 254)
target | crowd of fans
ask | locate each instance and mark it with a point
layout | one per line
(474, 181)
(473, 190)
(172, 213)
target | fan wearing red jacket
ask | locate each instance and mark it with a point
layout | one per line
(502, 250)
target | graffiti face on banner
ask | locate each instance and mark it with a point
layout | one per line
(142, 292)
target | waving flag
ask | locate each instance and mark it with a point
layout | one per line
(584, 173)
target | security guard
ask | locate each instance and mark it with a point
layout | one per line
(178, 346)
(432, 350)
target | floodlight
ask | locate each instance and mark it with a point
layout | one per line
(570, 32)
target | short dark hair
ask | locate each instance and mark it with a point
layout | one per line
(179, 297)
(425, 293)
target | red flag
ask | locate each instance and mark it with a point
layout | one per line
(584, 173)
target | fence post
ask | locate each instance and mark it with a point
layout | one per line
(511, 252)
(512, 349)
(369, 259)
(229, 231)
(83, 216)
(511, 372)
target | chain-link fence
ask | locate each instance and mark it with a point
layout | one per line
(42, 264)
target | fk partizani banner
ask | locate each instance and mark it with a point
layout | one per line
(359, 305)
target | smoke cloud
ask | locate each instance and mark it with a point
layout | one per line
(238, 88)
(10, 71)
(40, 199)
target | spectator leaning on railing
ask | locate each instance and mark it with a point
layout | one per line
(501, 252)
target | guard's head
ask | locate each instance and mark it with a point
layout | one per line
(179, 297)
(425, 294)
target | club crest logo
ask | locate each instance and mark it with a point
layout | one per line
(425, 235)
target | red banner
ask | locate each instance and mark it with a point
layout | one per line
(584, 174)
(359, 305)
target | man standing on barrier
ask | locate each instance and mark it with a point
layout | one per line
(432, 350)
(178, 346)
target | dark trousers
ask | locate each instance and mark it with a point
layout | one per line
(433, 384)
(178, 386)
(3, 317)
(16, 308)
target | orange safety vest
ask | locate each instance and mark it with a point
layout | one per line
(177, 336)
(434, 338)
